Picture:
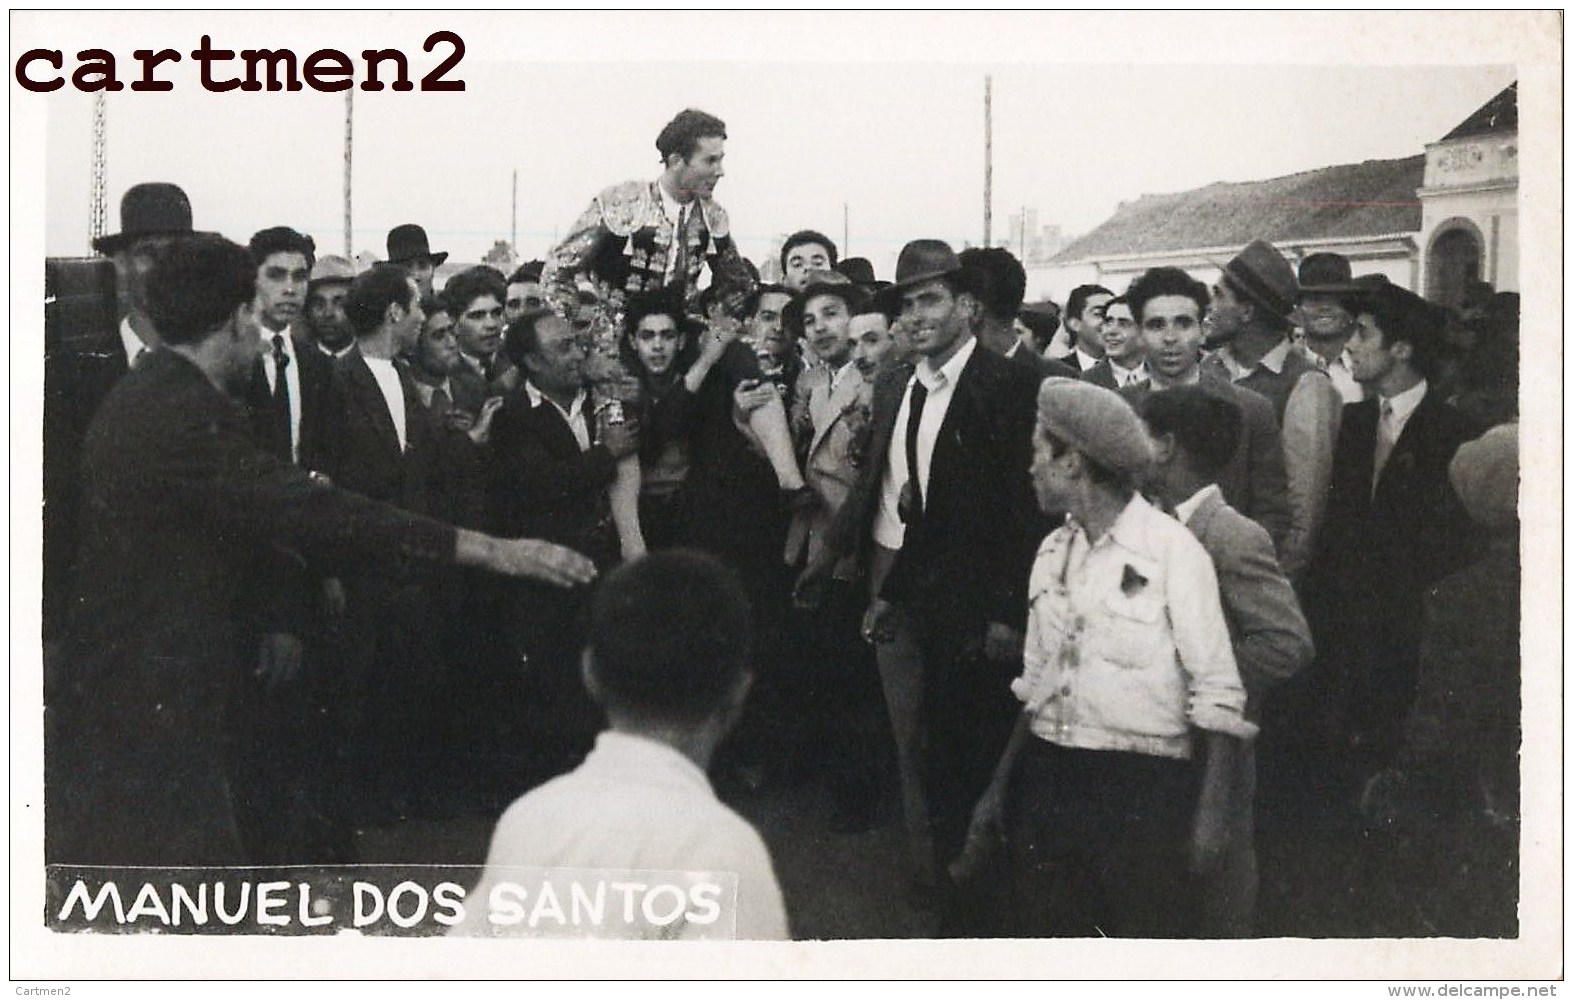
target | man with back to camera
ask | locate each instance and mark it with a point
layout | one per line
(137, 774)
(999, 281)
(667, 659)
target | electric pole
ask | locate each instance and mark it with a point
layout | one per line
(988, 158)
(349, 145)
(97, 208)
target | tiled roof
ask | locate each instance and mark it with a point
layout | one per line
(1500, 114)
(1373, 198)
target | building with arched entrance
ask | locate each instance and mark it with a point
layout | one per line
(1432, 223)
(1469, 204)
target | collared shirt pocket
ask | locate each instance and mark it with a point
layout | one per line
(1132, 629)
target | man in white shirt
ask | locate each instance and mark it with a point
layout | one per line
(667, 659)
(1084, 322)
(1124, 352)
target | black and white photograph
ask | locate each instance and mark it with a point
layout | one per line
(869, 494)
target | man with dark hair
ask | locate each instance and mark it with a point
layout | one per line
(999, 282)
(524, 290)
(1194, 434)
(1084, 322)
(643, 235)
(1249, 319)
(137, 776)
(1394, 525)
(779, 360)
(552, 462)
(1124, 355)
(474, 299)
(1169, 305)
(287, 386)
(945, 487)
(803, 253)
(667, 659)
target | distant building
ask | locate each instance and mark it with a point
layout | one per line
(1035, 245)
(1430, 223)
(1469, 203)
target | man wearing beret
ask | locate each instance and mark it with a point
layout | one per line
(1128, 669)
(1249, 318)
(644, 235)
(1394, 525)
(946, 487)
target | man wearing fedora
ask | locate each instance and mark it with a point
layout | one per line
(1326, 282)
(1249, 316)
(644, 235)
(999, 283)
(409, 248)
(80, 367)
(325, 323)
(946, 486)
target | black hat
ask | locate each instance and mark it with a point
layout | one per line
(858, 269)
(155, 209)
(408, 242)
(1326, 274)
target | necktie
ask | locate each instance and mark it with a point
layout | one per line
(680, 248)
(920, 395)
(440, 403)
(282, 430)
(1385, 439)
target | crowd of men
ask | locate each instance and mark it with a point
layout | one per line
(1114, 589)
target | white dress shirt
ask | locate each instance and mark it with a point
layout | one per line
(130, 342)
(270, 369)
(941, 385)
(387, 378)
(573, 416)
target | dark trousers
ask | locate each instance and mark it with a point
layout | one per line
(1098, 843)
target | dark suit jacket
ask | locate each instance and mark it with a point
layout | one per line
(1101, 374)
(966, 560)
(78, 374)
(1041, 366)
(177, 498)
(1271, 639)
(1254, 481)
(1381, 549)
(543, 486)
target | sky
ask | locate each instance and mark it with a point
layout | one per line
(868, 127)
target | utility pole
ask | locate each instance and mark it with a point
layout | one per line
(349, 146)
(513, 225)
(988, 158)
(97, 208)
(1024, 233)
(846, 241)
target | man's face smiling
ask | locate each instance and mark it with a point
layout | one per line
(281, 289)
(1172, 334)
(936, 319)
(1088, 327)
(697, 176)
(825, 322)
(1121, 341)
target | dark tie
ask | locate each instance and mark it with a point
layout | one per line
(914, 489)
(283, 437)
(680, 248)
(440, 403)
